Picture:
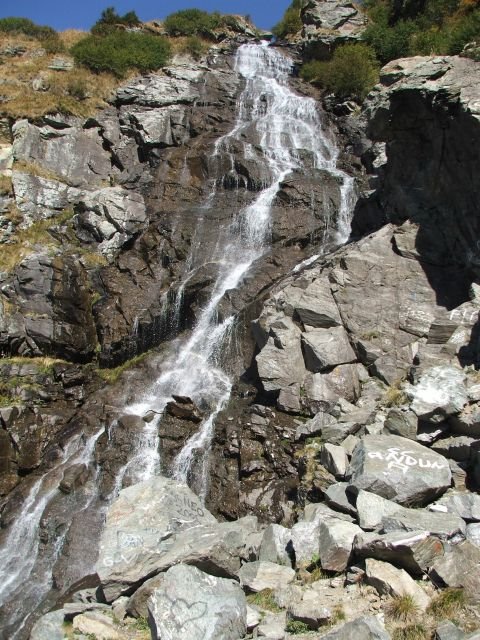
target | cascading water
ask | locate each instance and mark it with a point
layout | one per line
(289, 133)
(275, 129)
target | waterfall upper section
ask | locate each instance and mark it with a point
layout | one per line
(281, 136)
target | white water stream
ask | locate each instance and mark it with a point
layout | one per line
(289, 133)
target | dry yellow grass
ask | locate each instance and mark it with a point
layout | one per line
(69, 37)
(5, 185)
(77, 92)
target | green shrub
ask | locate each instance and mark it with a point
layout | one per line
(291, 22)
(27, 27)
(390, 42)
(191, 22)
(464, 30)
(119, 51)
(296, 626)
(426, 27)
(352, 71)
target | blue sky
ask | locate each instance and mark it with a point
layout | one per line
(81, 14)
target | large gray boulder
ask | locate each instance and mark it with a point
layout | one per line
(49, 627)
(399, 469)
(336, 543)
(371, 509)
(161, 90)
(459, 567)
(445, 526)
(439, 393)
(326, 348)
(315, 306)
(72, 154)
(280, 362)
(191, 604)
(463, 504)
(159, 523)
(275, 545)
(166, 127)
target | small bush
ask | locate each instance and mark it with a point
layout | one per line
(352, 71)
(394, 397)
(192, 22)
(119, 51)
(194, 47)
(297, 626)
(400, 29)
(27, 27)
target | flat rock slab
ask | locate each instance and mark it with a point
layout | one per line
(399, 469)
(415, 552)
(97, 625)
(194, 605)
(388, 580)
(464, 504)
(257, 576)
(364, 628)
(440, 392)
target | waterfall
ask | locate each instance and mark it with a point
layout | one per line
(289, 133)
(282, 132)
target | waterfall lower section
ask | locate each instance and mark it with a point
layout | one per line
(277, 139)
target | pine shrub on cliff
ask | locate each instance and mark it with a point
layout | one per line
(192, 22)
(119, 51)
(352, 71)
(110, 20)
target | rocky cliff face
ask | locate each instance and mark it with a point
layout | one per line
(350, 440)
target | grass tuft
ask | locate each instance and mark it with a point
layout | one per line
(110, 376)
(402, 608)
(394, 397)
(265, 600)
(448, 603)
(415, 631)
